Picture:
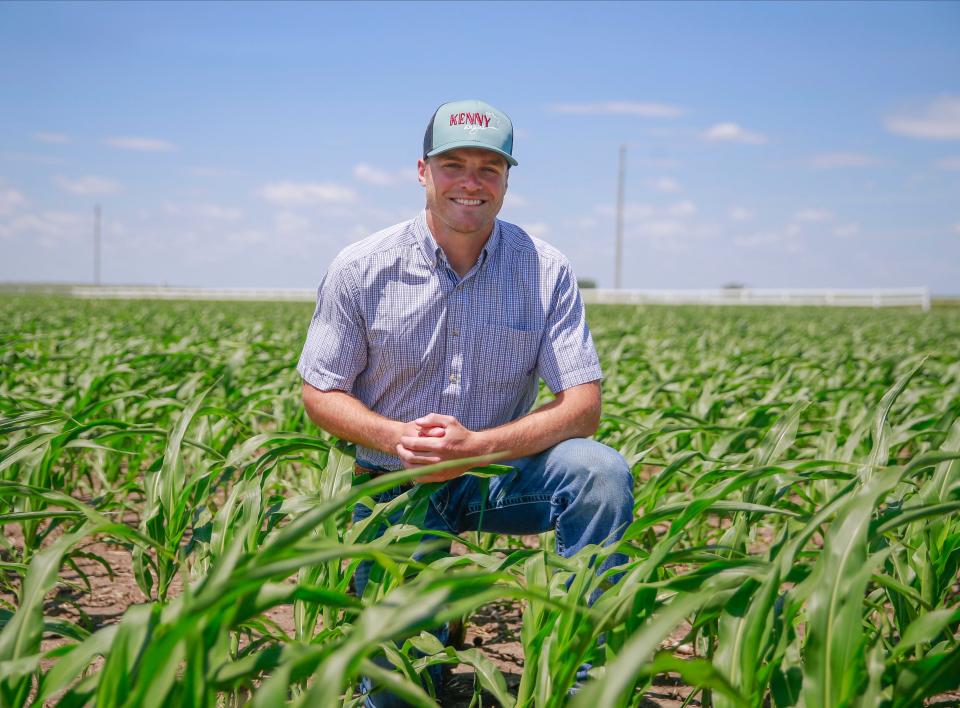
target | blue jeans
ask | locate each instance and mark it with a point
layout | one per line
(579, 488)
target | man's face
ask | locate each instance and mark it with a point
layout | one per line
(465, 189)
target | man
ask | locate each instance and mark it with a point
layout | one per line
(428, 341)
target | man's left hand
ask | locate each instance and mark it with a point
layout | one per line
(441, 438)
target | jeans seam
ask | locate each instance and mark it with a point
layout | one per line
(474, 507)
(561, 547)
(561, 505)
(443, 516)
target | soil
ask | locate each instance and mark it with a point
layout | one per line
(99, 597)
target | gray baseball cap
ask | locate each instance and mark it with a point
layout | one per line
(469, 123)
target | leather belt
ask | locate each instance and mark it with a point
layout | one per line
(361, 471)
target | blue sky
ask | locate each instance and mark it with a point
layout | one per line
(776, 145)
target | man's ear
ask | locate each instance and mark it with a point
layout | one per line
(422, 171)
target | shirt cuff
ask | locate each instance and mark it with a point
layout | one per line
(569, 379)
(324, 380)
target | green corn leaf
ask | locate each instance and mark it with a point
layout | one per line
(925, 629)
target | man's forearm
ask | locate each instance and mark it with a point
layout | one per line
(574, 413)
(348, 418)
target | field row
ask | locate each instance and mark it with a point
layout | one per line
(796, 527)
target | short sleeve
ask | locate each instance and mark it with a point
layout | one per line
(336, 348)
(567, 355)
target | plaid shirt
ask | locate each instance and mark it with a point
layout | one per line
(398, 328)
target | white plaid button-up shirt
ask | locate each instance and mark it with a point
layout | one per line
(398, 328)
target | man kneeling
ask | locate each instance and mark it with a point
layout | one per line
(428, 342)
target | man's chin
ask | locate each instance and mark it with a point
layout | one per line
(467, 224)
(472, 226)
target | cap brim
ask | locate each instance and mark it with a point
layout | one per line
(471, 144)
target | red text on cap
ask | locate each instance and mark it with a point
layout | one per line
(478, 119)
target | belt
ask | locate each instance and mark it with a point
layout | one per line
(361, 471)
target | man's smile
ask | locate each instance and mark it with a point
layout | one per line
(467, 202)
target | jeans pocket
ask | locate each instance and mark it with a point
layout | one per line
(441, 499)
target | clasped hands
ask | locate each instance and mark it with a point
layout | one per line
(438, 438)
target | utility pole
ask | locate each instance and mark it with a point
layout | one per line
(619, 252)
(96, 244)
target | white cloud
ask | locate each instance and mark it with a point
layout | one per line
(88, 185)
(10, 200)
(768, 238)
(938, 120)
(631, 210)
(662, 228)
(682, 209)
(372, 175)
(376, 175)
(639, 212)
(733, 133)
(663, 184)
(738, 213)
(360, 231)
(51, 137)
(514, 200)
(635, 212)
(847, 230)
(213, 172)
(288, 222)
(293, 194)
(246, 237)
(634, 108)
(204, 212)
(837, 160)
(949, 163)
(49, 229)
(668, 228)
(791, 237)
(141, 144)
(537, 229)
(654, 163)
(217, 212)
(813, 216)
(27, 157)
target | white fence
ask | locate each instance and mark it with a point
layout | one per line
(886, 297)
(135, 292)
(830, 297)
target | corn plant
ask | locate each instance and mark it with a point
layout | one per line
(796, 528)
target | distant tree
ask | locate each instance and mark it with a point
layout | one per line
(734, 286)
(585, 283)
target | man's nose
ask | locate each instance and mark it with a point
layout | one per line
(471, 179)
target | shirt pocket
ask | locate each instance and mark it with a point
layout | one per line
(508, 356)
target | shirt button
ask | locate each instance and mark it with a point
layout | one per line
(453, 378)
(455, 333)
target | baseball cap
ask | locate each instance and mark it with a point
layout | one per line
(470, 123)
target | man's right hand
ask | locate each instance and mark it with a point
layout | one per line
(439, 438)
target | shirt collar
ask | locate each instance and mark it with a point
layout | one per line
(434, 254)
(491, 246)
(431, 251)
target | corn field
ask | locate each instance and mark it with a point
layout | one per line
(796, 536)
